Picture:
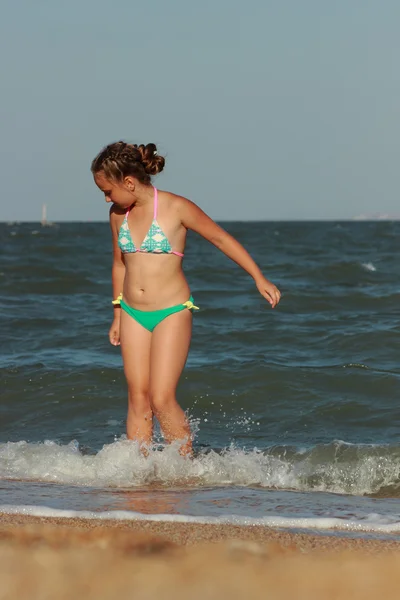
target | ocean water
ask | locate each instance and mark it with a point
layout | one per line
(296, 411)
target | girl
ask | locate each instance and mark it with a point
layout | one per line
(152, 302)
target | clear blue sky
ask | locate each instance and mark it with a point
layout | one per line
(265, 109)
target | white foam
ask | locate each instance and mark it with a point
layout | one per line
(368, 266)
(121, 464)
(338, 467)
(373, 523)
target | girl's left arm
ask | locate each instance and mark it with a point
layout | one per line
(194, 218)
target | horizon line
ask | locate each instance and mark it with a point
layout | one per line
(277, 220)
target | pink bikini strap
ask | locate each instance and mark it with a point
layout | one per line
(155, 217)
(155, 203)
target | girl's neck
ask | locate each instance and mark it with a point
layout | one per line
(143, 195)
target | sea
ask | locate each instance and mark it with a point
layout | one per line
(295, 411)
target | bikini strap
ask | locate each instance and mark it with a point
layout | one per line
(155, 203)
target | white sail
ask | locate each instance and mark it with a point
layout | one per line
(44, 215)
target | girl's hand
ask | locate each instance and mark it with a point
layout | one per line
(269, 291)
(113, 334)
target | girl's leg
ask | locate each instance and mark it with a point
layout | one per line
(169, 349)
(135, 348)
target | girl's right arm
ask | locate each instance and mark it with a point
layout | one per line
(117, 275)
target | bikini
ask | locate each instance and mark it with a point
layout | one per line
(155, 242)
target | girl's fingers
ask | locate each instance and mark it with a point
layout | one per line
(268, 297)
(273, 297)
(114, 340)
(270, 293)
(276, 295)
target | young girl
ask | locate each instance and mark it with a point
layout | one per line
(152, 301)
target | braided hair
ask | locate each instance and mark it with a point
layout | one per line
(118, 160)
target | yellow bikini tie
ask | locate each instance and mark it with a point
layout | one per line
(117, 300)
(189, 304)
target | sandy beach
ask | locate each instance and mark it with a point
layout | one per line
(79, 558)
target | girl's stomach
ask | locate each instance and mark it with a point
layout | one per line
(154, 281)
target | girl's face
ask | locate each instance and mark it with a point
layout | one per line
(118, 193)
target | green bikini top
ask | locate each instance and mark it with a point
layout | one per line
(155, 241)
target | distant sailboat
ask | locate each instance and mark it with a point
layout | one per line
(44, 221)
(44, 216)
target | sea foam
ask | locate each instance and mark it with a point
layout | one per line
(337, 467)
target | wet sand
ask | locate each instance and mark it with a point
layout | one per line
(78, 558)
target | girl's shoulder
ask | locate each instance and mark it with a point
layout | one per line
(116, 211)
(117, 215)
(173, 201)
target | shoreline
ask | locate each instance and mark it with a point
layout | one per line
(189, 534)
(50, 557)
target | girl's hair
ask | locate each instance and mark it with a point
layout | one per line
(118, 160)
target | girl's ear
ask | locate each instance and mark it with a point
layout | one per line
(130, 183)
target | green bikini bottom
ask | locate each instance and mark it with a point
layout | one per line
(149, 319)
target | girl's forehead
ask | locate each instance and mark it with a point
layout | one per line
(100, 179)
(102, 182)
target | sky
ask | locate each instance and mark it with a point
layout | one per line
(265, 110)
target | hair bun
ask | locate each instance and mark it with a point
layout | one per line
(119, 160)
(152, 162)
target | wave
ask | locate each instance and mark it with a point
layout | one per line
(373, 523)
(338, 467)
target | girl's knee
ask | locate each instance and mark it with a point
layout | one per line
(161, 401)
(139, 400)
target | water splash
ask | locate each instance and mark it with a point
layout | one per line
(368, 266)
(338, 467)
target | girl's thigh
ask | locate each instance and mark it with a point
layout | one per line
(169, 350)
(135, 350)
